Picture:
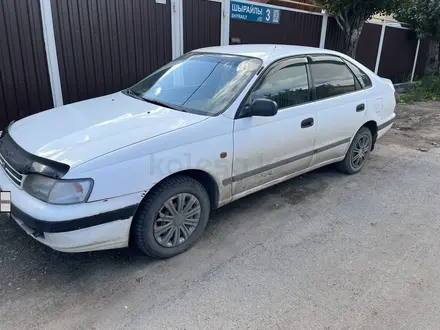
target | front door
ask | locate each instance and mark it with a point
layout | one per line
(270, 148)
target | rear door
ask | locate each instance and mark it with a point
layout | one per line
(341, 106)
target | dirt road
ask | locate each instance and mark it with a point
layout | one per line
(323, 250)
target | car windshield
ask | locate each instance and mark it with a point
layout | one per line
(200, 83)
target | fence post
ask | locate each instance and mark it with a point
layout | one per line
(51, 52)
(379, 51)
(226, 8)
(323, 30)
(415, 61)
(176, 28)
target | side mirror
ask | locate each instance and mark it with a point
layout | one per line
(263, 108)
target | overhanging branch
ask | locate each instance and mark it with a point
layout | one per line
(339, 20)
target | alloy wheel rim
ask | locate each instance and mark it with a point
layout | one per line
(360, 151)
(177, 220)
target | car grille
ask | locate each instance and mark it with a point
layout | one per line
(11, 172)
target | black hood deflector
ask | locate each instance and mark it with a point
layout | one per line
(26, 163)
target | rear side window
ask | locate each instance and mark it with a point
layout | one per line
(287, 86)
(332, 78)
(361, 75)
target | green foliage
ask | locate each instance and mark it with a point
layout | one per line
(427, 90)
(422, 15)
(362, 8)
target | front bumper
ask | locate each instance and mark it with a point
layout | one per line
(108, 230)
(98, 225)
(42, 226)
(111, 235)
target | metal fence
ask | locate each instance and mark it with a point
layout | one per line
(295, 28)
(24, 79)
(55, 52)
(106, 45)
(385, 47)
(368, 46)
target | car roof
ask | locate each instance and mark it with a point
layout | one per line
(267, 53)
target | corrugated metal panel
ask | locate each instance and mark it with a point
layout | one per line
(369, 45)
(201, 24)
(334, 38)
(295, 5)
(398, 52)
(24, 76)
(294, 29)
(106, 45)
(368, 42)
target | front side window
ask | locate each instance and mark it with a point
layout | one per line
(287, 86)
(361, 75)
(200, 83)
(331, 77)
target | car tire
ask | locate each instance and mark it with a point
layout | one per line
(155, 214)
(358, 153)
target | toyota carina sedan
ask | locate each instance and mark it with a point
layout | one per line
(148, 164)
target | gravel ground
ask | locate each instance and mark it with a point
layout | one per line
(324, 250)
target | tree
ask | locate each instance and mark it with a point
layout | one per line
(351, 16)
(424, 18)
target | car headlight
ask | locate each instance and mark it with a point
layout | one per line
(58, 191)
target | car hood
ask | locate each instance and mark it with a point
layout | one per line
(76, 133)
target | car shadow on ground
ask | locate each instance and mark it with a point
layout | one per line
(290, 192)
(25, 262)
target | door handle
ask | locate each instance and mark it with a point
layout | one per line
(360, 107)
(309, 122)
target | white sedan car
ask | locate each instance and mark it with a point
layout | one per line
(148, 164)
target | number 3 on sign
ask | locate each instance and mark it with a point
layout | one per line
(268, 15)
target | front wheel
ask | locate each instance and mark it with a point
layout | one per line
(358, 153)
(171, 217)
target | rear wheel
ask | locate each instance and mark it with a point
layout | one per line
(172, 217)
(358, 153)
